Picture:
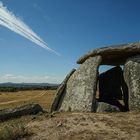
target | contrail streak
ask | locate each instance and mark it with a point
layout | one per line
(9, 20)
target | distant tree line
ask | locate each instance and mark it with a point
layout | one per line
(15, 89)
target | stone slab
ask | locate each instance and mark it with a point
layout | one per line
(113, 55)
(81, 87)
(132, 78)
(105, 107)
(60, 93)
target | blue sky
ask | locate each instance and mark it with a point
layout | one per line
(70, 27)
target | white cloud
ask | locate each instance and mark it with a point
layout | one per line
(10, 21)
(30, 79)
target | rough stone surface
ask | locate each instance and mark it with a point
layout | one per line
(113, 55)
(81, 87)
(60, 93)
(105, 107)
(132, 78)
(20, 111)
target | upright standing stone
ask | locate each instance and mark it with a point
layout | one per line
(132, 78)
(81, 87)
(60, 93)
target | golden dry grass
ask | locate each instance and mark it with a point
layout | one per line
(70, 125)
(13, 99)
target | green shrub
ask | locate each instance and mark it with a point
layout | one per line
(13, 131)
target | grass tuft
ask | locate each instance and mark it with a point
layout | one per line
(13, 131)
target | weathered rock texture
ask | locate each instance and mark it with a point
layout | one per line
(105, 107)
(78, 91)
(81, 87)
(132, 78)
(113, 55)
(20, 111)
(61, 93)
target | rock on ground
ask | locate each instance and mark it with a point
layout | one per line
(20, 111)
(105, 107)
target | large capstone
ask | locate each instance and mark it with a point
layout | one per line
(113, 55)
(81, 87)
(132, 78)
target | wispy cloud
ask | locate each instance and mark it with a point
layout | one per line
(10, 21)
(36, 6)
(45, 17)
(30, 79)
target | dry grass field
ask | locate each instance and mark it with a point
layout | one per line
(13, 99)
(65, 126)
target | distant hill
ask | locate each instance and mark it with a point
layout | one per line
(26, 86)
(9, 84)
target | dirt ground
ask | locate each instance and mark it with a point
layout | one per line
(86, 126)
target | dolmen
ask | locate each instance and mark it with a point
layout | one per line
(119, 87)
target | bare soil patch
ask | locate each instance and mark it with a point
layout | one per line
(87, 126)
